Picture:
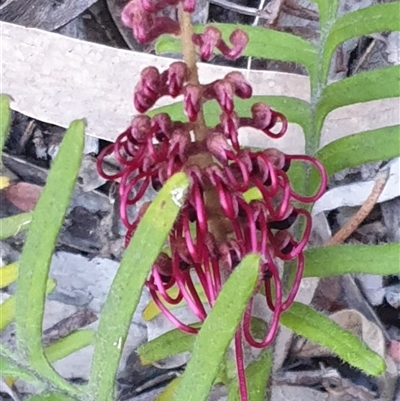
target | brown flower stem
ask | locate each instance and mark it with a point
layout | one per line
(189, 51)
(190, 57)
(363, 212)
(219, 226)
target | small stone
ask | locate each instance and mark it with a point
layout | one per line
(392, 295)
(372, 286)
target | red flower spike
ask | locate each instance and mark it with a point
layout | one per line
(177, 76)
(239, 40)
(218, 145)
(151, 150)
(241, 87)
(163, 265)
(223, 93)
(140, 128)
(152, 6)
(211, 38)
(189, 5)
(146, 26)
(262, 116)
(192, 101)
(207, 41)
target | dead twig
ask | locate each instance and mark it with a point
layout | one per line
(66, 326)
(364, 56)
(291, 8)
(27, 134)
(363, 212)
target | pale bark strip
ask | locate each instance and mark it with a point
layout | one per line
(57, 79)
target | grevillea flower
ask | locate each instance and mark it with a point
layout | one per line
(152, 149)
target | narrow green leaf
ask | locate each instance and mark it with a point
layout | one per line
(342, 259)
(50, 397)
(355, 150)
(126, 289)
(69, 344)
(169, 392)
(372, 85)
(5, 121)
(316, 327)
(217, 331)
(173, 342)
(373, 19)
(10, 226)
(8, 274)
(7, 312)
(263, 43)
(35, 260)
(295, 110)
(257, 377)
(361, 148)
(7, 308)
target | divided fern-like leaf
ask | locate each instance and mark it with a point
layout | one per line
(372, 85)
(377, 18)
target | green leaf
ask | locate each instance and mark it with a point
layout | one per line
(7, 308)
(126, 289)
(257, 378)
(35, 260)
(263, 43)
(5, 121)
(173, 342)
(354, 150)
(8, 274)
(318, 328)
(342, 259)
(373, 19)
(357, 149)
(50, 397)
(218, 330)
(7, 312)
(68, 345)
(169, 392)
(372, 85)
(10, 226)
(295, 110)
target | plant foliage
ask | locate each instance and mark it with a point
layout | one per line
(33, 362)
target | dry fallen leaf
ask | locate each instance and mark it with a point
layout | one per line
(23, 195)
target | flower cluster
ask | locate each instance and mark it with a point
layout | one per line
(146, 19)
(221, 172)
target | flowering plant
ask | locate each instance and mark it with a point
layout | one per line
(234, 219)
(216, 227)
